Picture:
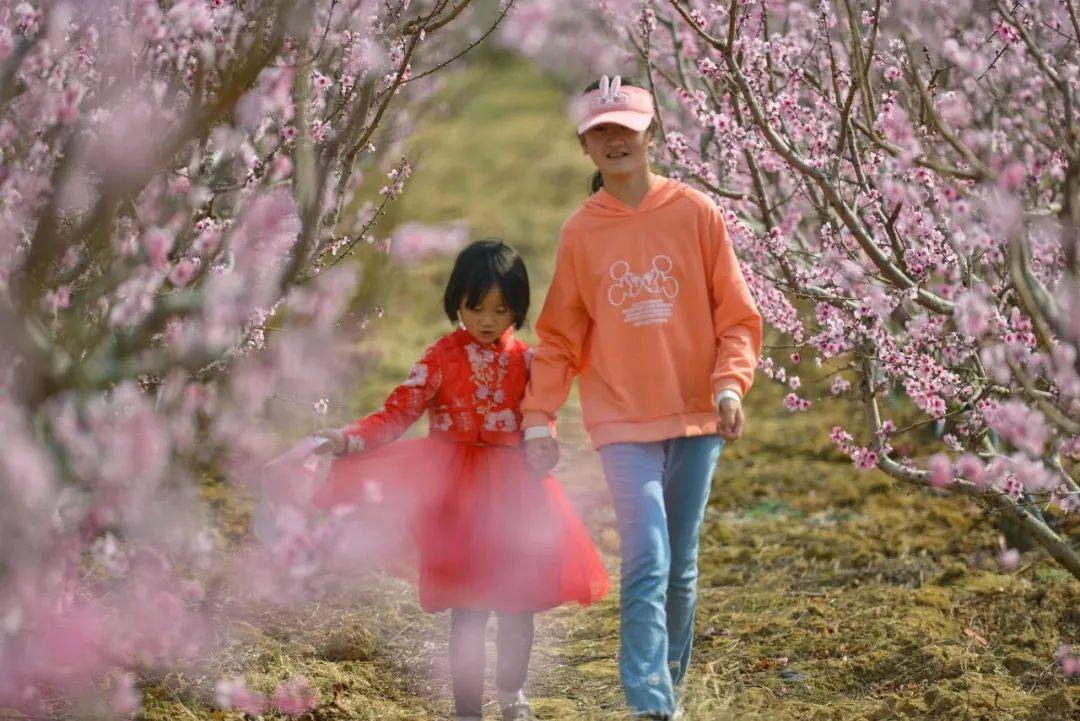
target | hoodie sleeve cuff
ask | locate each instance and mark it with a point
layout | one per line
(535, 432)
(728, 393)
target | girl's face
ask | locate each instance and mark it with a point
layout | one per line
(616, 149)
(489, 320)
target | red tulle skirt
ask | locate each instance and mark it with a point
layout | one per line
(491, 533)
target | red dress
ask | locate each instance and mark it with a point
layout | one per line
(492, 534)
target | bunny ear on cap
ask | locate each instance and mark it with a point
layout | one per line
(631, 106)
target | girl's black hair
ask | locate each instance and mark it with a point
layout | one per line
(597, 180)
(481, 266)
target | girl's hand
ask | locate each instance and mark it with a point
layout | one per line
(731, 419)
(337, 442)
(542, 454)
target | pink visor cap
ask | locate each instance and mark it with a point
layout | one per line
(612, 103)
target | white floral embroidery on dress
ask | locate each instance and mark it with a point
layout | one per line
(465, 422)
(417, 376)
(503, 420)
(476, 360)
(489, 372)
(415, 400)
(442, 422)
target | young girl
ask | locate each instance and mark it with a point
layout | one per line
(493, 535)
(649, 308)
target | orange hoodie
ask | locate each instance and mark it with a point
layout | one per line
(650, 308)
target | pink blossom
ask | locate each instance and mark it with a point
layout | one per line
(994, 358)
(972, 314)
(1005, 31)
(234, 693)
(1012, 176)
(281, 168)
(397, 176)
(970, 467)
(179, 185)
(190, 15)
(413, 242)
(68, 113)
(27, 16)
(58, 299)
(1009, 559)
(940, 470)
(841, 438)
(709, 69)
(1013, 487)
(1031, 473)
(877, 302)
(864, 458)
(157, 242)
(954, 109)
(1024, 427)
(893, 122)
(319, 130)
(1069, 503)
(126, 695)
(184, 270)
(1068, 659)
(294, 697)
(793, 403)
(320, 81)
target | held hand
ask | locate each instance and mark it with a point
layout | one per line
(731, 419)
(542, 454)
(337, 440)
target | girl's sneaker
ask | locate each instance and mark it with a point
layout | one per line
(518, 712)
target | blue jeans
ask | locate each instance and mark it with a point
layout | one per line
(660, 490)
